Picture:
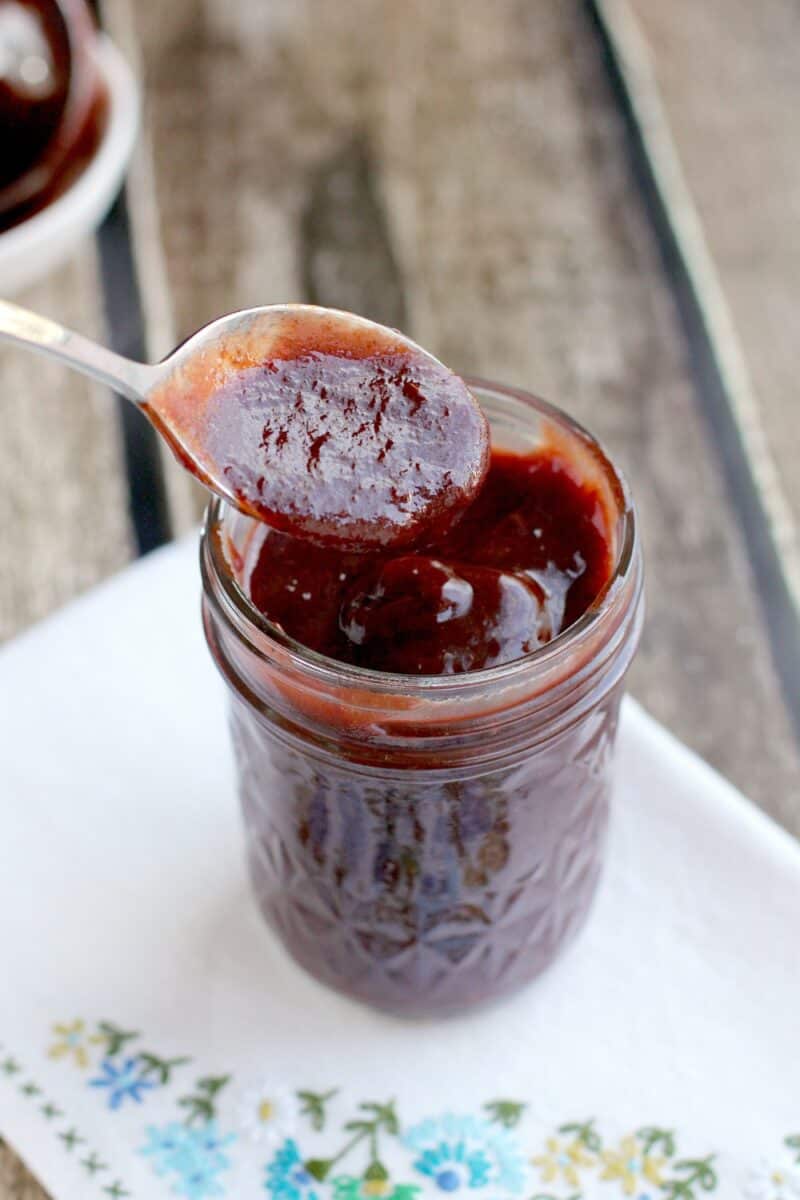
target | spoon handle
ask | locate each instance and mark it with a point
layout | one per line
(129, 378)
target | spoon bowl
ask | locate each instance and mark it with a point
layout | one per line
(320, 422)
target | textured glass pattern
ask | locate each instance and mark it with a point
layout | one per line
(424, 896)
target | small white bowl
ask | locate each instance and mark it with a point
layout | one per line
(37, 245)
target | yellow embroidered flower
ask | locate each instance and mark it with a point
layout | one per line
(71, 1042)
(629, 1165)
(563, 1161)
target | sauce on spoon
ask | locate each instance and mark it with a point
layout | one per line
(330, 428)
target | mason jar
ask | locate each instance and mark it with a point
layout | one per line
(428, 843)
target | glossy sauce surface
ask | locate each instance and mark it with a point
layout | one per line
(370, 450)
(327, 427)
(50, 125)
(524, 562)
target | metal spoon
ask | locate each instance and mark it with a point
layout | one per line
(283, 411)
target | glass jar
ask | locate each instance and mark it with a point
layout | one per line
(428, 843)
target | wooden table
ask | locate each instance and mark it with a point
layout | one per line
(552, 195)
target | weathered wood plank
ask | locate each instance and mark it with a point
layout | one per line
(731, 408)
(16, 1183)
(503, 225)
(185, 498)
(344, 242)
(729, 79)
(63, 495)
(525, 256)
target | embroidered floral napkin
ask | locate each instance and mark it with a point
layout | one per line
(157, 1042)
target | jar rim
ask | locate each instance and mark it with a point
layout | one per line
(332, 672)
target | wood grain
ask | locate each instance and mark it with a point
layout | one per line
(459, 170)
(16, 1182)
(520, 244)
(733, 119)
(63, 494)
(732, 406)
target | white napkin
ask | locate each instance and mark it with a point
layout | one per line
(659, 1057)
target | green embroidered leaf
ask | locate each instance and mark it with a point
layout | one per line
(116, 1190)
(198, 1108)
(93, 1164)
(318, 1168)
(405, 1191)
(213, 1084)
(505, 1112)
(584, 1132)
(377, 1119)
(313, 1106)
(201, 1106)
(384, 1116)
(653, 1138)
(550, 1196)
(10, 1066)
(30, 1089)
(697, 1173)
(162, 1067)
(71, 1139)
(360, 1127)
(376, 1173)
(113, 1037)
(793, 1142)
(49, 1110)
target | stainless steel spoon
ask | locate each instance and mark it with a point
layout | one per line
(448, 441)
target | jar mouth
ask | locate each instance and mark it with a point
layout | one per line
(332, 672)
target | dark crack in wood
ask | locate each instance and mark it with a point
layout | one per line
(345, 245)
(781, 618)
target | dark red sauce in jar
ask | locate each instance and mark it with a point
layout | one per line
(523, 563)
(426, 805)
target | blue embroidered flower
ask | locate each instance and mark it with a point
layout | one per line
(460, 1153)
(451, 1166)
(121, 1081)
(207, 1141)
(287, 1178)
(193, 1155)
(165, 1146)
(198, 1183)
